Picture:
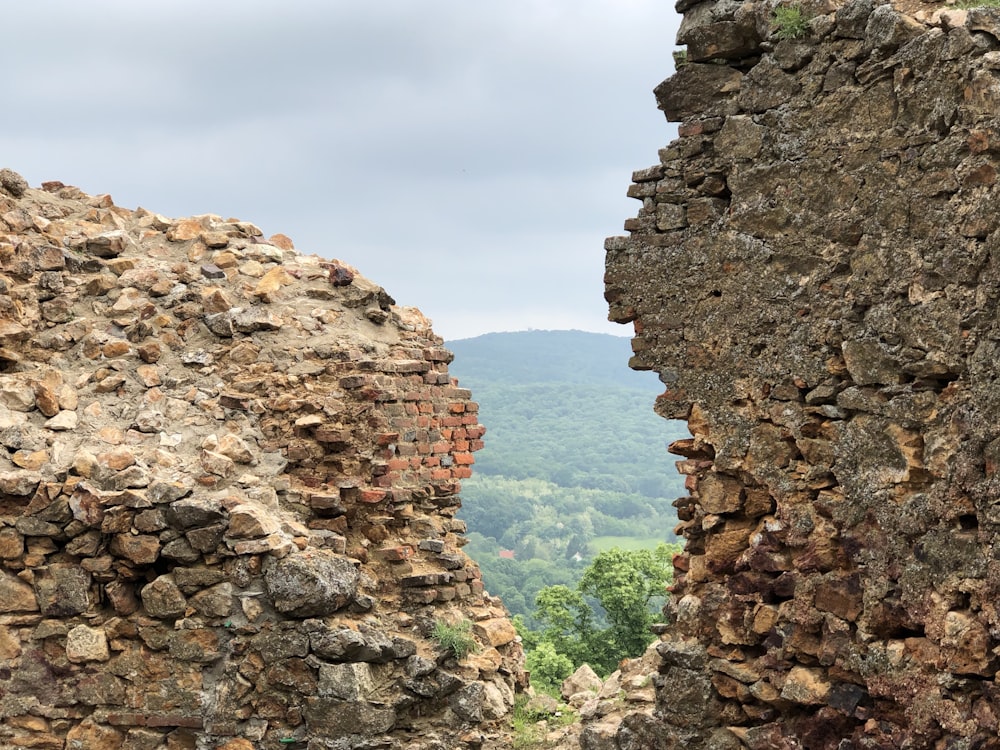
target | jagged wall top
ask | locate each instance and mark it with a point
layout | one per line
(227, 487)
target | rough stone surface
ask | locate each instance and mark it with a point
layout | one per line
(210, 439)
(814, 275)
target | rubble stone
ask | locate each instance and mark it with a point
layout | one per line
(195, 467)
(827, 330)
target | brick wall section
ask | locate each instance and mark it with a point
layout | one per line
(227, 494)
(813, 273)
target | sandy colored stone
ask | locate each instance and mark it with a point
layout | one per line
(271, 282)
(85, 644)
(495, 632)
(10, 644)
(118, 459)
(64, 420)
(30, 460)
(91, 736)
(46, 399)
(250, 522)
(183, 230)
(16, 595)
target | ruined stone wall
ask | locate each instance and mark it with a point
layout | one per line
(815, 273)
(228, 480)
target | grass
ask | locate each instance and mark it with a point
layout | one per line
(530, 727)
(455, 638)
(968, 4)
(629, 543)
(791, 21)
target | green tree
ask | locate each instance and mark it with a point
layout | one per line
(567, 622)
(628, 586)
(548, 667)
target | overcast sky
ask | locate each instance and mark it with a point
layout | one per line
(468, 155)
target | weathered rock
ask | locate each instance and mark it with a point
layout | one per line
(163, 599)
(826, 331)
(584, 679)
(200, 428)
(16, 595)
(85, 644)
(312, 584)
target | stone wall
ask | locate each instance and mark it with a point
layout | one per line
(227, 493)
(815, 273)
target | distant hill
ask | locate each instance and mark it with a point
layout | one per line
(575, 458)
(548, 357)
(563, 406)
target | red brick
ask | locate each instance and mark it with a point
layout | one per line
(470, 419)
(464, 459)
(438, 355)
(398, 464)
(690, 128)
(457, 408)
(476, 445)
(441, 474)
(461, 445)
(461, 472)
(451, 422)
(442, 446)
(432, 461)
(174, 720)
(411, 409)
(471, 406)
(387, 438)
(372, 496)
(421, 596)
(338, 524)
(425, 407)
(397, 554)
(126, 720)
(476, 432)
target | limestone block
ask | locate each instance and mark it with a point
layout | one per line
(312, 583)
(584, 679)
(85, 644)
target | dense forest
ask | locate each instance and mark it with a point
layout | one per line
(575, 461)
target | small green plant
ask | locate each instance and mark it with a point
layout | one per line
(680, 58)
(455, 638)
(791, 21)
(530, 726)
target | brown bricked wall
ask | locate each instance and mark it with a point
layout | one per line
(814, 273)
(228, 480)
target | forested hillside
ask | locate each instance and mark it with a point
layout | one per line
(575, 459)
